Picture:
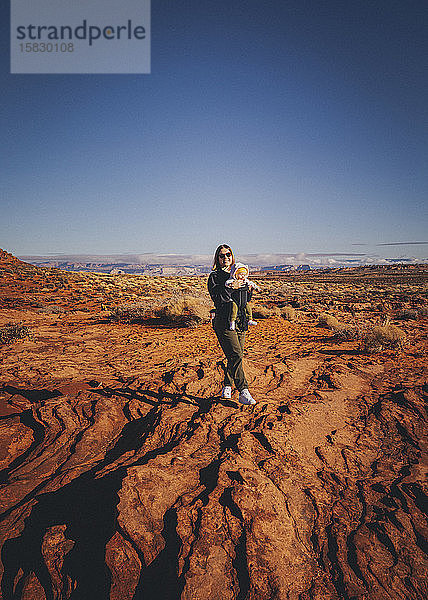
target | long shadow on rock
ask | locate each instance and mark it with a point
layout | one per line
(88, 507)
(160, 579)
(32, 395)
(337, 352)
(166, 398)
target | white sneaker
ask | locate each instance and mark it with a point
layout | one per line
(252, 322)
(226, 392)
(232, 326)
(245, 397)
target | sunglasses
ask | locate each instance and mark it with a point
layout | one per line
(225, 254)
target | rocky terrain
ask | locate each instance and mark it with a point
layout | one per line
(125, 476)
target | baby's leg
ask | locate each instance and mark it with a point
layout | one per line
(249, 311)
(233, 315)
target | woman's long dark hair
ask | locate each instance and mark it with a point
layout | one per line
(216, 262)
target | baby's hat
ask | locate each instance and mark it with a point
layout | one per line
(241, 268)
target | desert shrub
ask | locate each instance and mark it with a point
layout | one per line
(11, 333)
(326, 320)
(408, 314)
(186, 311)
(263, 312)
(51, 310)
(288, 312)
(381, 336)
(345, 333)
(130, 313)
(341, 331)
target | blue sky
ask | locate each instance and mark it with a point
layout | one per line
(281, 127)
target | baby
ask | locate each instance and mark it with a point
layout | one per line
(240, 272)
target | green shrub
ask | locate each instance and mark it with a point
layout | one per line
(13, 332)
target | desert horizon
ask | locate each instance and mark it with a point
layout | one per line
(180, 264)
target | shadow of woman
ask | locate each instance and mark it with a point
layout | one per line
(88, 507)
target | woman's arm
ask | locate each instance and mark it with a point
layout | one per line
(218, 292)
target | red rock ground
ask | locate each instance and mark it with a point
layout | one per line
(125, 476)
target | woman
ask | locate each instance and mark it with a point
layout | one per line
(231, 341)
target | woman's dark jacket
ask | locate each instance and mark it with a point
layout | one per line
(222, 297)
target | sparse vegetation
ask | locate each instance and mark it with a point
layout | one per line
(288, 313)
(13, 332)
(187, 311)
(328, 321)
(341, 331)
(348, 302)
(130, 313)
(346, 333)
(382, 336)
(51, 310)
(263, 312)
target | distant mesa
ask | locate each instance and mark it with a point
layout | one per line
(278, 268)
(283, 268)
(199, 264)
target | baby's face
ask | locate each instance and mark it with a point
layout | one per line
(240, 274)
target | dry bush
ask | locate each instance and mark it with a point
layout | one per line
(131, 313)
(186, 311)
(382, 336)
(11, 333)
(341, 331)
(51, 310)
(326, 320)
(288, 313)
(263, 312)
(345, 333)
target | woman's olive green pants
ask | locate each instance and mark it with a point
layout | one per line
(232, 344)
